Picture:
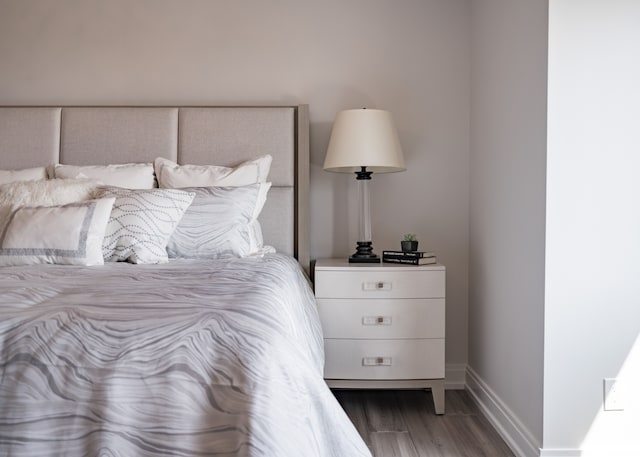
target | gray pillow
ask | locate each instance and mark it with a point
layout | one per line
(217, 224)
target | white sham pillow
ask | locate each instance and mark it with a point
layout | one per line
(217, 224)
(26, 174)
(172, 175)
(128, 175)
(46, 192)
(70, 234)
(142, 222)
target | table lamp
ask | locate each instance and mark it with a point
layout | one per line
(364, 141)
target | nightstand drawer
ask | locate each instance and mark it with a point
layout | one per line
(384, 318)
(384, 359)
(380, 284)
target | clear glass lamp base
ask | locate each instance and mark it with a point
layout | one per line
(364, 251)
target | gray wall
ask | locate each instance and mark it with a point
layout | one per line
(409, 57)
(507, 216)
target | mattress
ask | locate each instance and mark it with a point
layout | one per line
(189, 358)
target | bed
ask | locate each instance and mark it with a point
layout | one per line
(192, 355)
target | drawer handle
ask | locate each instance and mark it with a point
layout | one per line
(376, 285)
(376, 320)
(376, 361)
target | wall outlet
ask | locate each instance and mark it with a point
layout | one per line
(615, 395)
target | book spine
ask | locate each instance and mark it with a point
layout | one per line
(399, 260)
(407, 254)
(402, 257)
(412, 254)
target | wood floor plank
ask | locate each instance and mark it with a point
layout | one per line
(402, 423)
(353, 402)
(383, 412)
(458, 404)
(393, 444)
(468, 441)
(431, 436)
(502, 449)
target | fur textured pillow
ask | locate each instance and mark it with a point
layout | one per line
(49, 192)
(27, 174)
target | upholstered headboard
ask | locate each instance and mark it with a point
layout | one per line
(38, 136)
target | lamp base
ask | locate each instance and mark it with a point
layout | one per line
(364, 253)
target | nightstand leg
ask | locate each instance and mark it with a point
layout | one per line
(437, 391)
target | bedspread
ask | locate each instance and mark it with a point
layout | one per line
(187, 358)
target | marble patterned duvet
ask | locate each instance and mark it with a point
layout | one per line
(190, 358)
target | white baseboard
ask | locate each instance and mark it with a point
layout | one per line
(587, 453)
(515, 434)
(507, 424)
(560, 453)
(455, 376)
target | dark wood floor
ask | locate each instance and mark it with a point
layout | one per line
(402, 423)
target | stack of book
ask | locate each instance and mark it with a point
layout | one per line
(409, 257)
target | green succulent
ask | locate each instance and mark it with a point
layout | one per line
(410, 237)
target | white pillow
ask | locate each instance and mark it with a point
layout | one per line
(217, 224)
(27, 174)
(70, 234)
(129, 175)
(141, 223)
(172, 175)
(47, 192)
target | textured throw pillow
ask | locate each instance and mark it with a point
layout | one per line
(48, 192)
(172, 175)
(217, 224)
(141, 223)
(27, 174)
(129, 175)
(70, 234)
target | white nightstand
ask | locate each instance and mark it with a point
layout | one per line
(383, 324)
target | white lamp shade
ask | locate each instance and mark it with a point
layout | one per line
(364, 138)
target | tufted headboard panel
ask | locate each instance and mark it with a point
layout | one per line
(29, 137)
(99, 136)
(40, 136)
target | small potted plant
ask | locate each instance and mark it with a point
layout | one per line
(409, 242)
